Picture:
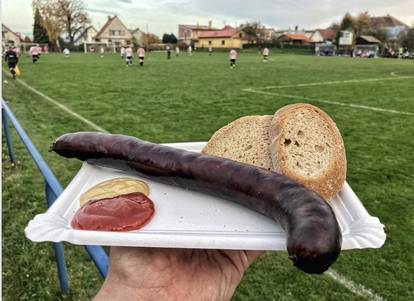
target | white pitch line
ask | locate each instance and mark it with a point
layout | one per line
(356, 288)
(331, 102)
(350, 81)
(63, 107)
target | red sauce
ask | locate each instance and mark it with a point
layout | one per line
(121, 213)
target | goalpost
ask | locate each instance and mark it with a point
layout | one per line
(25, 47)
(94, 47)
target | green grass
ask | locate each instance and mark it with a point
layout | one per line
(187, 99)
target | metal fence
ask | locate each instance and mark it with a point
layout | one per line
(52, 190)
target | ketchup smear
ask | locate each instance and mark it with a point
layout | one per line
(121, 213)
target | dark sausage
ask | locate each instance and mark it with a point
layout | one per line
(313, 234)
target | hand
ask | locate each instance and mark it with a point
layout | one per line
(174, 274)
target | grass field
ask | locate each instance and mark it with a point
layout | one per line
(187, 99)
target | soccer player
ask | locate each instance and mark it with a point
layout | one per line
(265, 55)
(233, 58)
(11, 58)
(141, 55)
(168, 52)
(66, 52)
(128, 54)
(123, 52)
(190, 50)
(102, 51)
(177, 51)
(34, 52)
(210, 51)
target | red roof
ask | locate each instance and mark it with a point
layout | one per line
(297, 37)
(226, 32)
(327, 34)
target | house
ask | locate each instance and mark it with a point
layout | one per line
(269, 34)
(392, 25)
(322, 36)
(227, 37)
(189, 34)
(10, 38)
(294, 39)
(87, 36)
(114, 33)
(136, 35)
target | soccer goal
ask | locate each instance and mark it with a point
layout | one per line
(95, 47)
(25, 47)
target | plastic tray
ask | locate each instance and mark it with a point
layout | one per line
(188, 219)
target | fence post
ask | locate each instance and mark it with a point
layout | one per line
(58, 248)
(7, 135)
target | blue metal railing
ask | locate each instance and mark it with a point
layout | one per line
(52, 190)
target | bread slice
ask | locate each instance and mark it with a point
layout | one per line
(306, 145)
(245, 140)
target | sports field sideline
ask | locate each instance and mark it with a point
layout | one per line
(187, 99)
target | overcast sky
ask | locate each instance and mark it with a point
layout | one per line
(164, 15)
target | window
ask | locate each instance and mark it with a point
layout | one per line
(209, 42)
(121, 32)
(223, 42)
(240, 35)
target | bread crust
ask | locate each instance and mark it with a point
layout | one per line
(331, 181)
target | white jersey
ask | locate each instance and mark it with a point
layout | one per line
(190, 49)
(177, 50)
(102, 50)
(128, 51)
(66, 51)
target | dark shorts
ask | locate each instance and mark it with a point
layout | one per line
(35, 56)
(12, 65)
(232, 61)
(265, 57)
(141, 58)
(129, 58)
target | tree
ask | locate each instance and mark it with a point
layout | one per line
(406, 39)
(254, 32)
(149, 38)
(380, 33)
(73, 16)
(60, 16)
(169, 38)
(361, 23)
(39, 32)
(51, 21)
(347, 23)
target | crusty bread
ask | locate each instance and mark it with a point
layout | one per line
(245, 140)
(306, 145)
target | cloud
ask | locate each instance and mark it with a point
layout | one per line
(101, 11)
(165, 15)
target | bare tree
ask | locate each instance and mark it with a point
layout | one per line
(60, 16)
(254, 32)
(73, 15)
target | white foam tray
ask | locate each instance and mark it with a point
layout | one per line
(188, 219)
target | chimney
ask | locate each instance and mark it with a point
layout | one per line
(210, 24)
(296, 28)
(109, 18)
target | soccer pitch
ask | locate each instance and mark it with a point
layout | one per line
(188, 99)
